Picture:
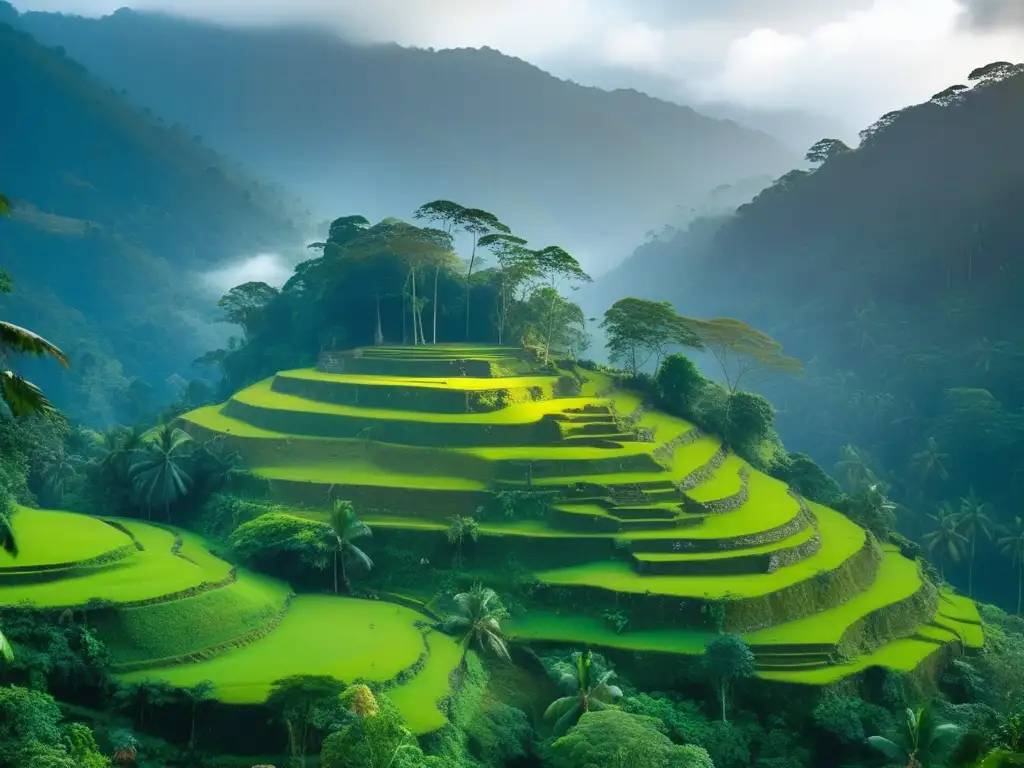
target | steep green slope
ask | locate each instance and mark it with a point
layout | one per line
(677, 536)
(115, 213)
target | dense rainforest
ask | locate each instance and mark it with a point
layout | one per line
(591, 169)
(114, 223)
(892, 271)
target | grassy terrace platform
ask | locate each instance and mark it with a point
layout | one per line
(348, 639)
(413, 435)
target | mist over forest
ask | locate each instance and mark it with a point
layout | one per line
(364, 394)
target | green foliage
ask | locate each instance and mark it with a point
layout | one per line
(727, 659)
(617, 739)
(378, 740)
(222, 513)
(53, 653)
(303, 701)
(927, 741)
(267, 537)
(586, 682)
(748, 422)
(477, 617)
(850, 719)
(808, 479)
(681, 385)
(30, 732)
(82, 748)
(640, 329)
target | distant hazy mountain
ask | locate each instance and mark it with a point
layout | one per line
(796, 128)
(379, 130)
(115, 217)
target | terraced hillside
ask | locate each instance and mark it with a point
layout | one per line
(646, 517)
(169, 608)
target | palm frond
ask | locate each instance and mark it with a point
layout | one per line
(498, 645)
(567, 720)
(6, 651)
(25, 342)
(559, 707)
(22, 396)
(890, 749)
(359, 556)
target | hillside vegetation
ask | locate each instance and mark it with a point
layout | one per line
(892, 269)
(114, 216)
(591, 169)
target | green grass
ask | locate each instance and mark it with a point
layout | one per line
(589, 631)
(262, 396)
(151, 573)
(903, 655)
(795, 540)
(48, 537)
(724, 483)
(321, 635)
(841, 540)
(959, 608)
(165, 630)
(418, 699)
(458, 383)
(897, 579)
(353, 472)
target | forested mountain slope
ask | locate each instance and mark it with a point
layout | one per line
(115, 215)
(383, 128)
(894, 270)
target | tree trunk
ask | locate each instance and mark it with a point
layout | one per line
(724, 719)
(405, 336)
(378, 335)
(437, 273)
(412, 279)
(469, 283)
(335, 571)
(344, 573)
(551, 325)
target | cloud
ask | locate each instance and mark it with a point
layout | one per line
(270, 268)
(851, 59)
(993, 14)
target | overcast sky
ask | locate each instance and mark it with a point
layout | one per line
(850, 59)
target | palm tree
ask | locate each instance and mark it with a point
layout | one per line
(58, 469)
(478, 615)
(930, 741)
(159, 471)
(945, 538)
(459, 530)
(855, 464)
(930, 462)
(1011, 545)
(346, 527)
(587, 690)
(974, 520)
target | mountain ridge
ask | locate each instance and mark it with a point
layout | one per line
(383, 128)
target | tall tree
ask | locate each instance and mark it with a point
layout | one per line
(639, 329)
(558, 267)
(930, 741)
(446, 215)
(345, 528)
(477, 223)
(159, 471)
(244, 304)
(1011, 545)
(727, 659)
(741, 350)
(974, 521)
(515, 265)
(477, 617)
(586, 683)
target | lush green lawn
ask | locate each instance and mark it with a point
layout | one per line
(960, 608)
(179, 627)
(261, 395)
(143, 575)
(724, 483)
(48, 537)
(418, 699)
(458, 383)
(900, 655)
(323, 635)
(355, 472)
(577, 629)
(841, 540)
(897, 579)
(675, 557)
